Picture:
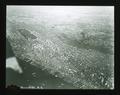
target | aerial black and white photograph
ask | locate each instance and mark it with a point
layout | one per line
(60, 47)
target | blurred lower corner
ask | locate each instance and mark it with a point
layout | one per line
(13, 90)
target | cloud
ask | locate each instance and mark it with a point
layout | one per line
(13, 64)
